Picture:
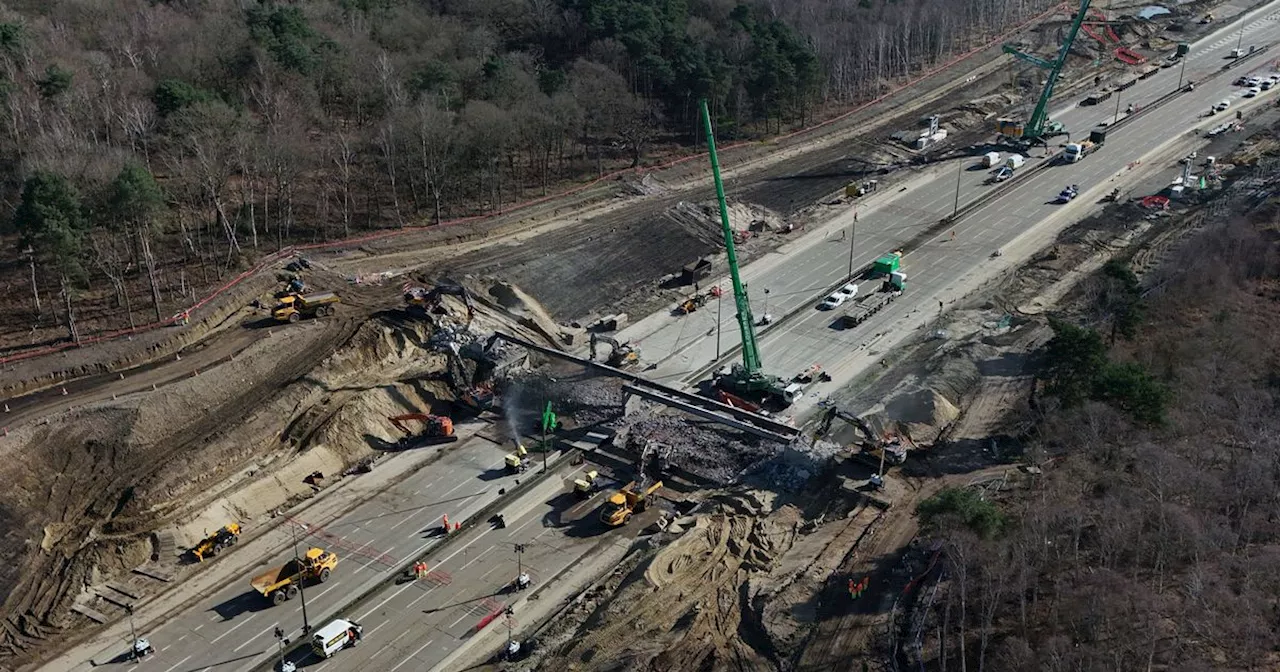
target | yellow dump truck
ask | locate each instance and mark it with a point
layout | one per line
(625, 502)
(297, 306)
(281, 583)
(215, 543)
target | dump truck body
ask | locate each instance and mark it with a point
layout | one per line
(281, 583)
(625, 502)
(297, 306)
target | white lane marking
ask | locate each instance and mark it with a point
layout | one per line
(429, 641)
(178, 664)
(233, 629)
(386, 648)
(378, 606)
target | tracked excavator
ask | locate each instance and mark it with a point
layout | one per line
(435, 429)
(622, 355)
(428, 300)
(891, 451)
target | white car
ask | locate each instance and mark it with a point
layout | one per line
(1222, 105)
(832, 302)
(1252, 81)
(849, 291)
(1253, 91)
(1267, 84)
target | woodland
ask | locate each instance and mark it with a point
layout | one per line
(1151, 539)
(151, 147)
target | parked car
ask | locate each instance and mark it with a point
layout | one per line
(1222, 105)
(1253, 91)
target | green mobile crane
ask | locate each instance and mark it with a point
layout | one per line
(1039, 129)
(747, 378)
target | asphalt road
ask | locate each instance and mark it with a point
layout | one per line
(882, 222)
(233, 629)
(414, 625)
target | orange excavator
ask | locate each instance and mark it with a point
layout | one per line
(435, 429)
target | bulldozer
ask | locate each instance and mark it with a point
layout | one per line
(215, 543)
(427, 300)
(622, 355)
(435, 429)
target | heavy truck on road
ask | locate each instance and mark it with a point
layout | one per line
(895, 283)
(1074, 152)
(281, 583)
(631, 499)
(297, 306)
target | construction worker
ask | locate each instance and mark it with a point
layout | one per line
(953, 234)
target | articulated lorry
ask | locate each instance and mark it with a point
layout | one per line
(297, 306)
(631, 499)
(1074, 152)
(282, 583)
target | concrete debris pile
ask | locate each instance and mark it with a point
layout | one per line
(792, 468)
(588, 399)
(704, 448)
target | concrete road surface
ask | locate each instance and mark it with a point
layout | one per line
(232, 630)
(945, 269)
(412, 626)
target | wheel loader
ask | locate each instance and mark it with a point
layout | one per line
(215, 543)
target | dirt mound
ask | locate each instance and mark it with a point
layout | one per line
(921, 408)
(681, 609)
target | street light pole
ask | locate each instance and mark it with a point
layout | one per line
(519, 548)
(1117, 116)
(852, 234)
(719, 308)
(1241, 38)
(302, 592)
(133, 638)
(959, 174)
(1181, 72)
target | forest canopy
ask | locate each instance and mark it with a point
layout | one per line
(265, 123)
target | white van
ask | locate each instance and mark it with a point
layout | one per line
(335, 637)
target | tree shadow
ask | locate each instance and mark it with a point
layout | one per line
(964, 456)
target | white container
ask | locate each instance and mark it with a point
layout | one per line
(991, 159)
(1015, 161)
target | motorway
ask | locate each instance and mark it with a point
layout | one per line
(944, 269)
(412, 626)
(232, 630)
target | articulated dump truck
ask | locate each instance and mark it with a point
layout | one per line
(282, 583)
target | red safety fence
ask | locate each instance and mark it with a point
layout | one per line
(1130, 56)
(294, 249)
(337, 541)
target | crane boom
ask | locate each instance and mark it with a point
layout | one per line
(746, 325)
(1040, 117)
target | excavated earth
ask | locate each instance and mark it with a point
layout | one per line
(92, 491)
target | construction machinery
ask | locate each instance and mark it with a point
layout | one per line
(748, 378)
(876, 449)
(427, 300)
(622, 355)
(282, 583)
(435, 429)
(217, 542)
(630, 500)
(1039, 129)
(294, 307)
(585, 486)
(518, 461)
